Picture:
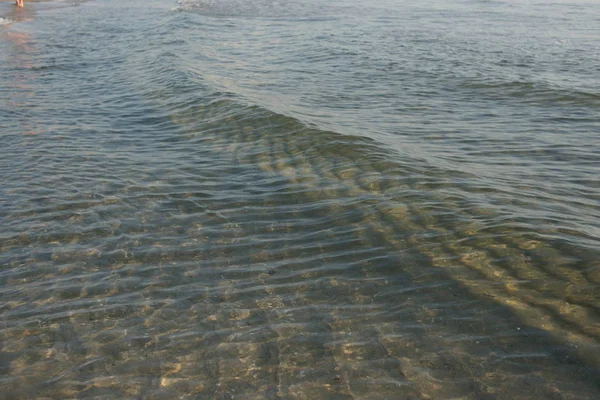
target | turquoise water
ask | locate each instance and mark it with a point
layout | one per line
(300, 199)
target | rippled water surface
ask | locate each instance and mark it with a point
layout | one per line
(300, 199)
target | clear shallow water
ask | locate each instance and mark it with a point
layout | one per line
(227, 199)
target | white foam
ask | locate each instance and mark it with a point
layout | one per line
(249, 8)
(186, 5)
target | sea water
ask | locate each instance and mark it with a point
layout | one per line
(300, 199)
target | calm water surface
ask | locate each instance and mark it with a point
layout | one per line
(300, 199)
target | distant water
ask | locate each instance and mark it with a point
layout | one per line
(300, 199)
